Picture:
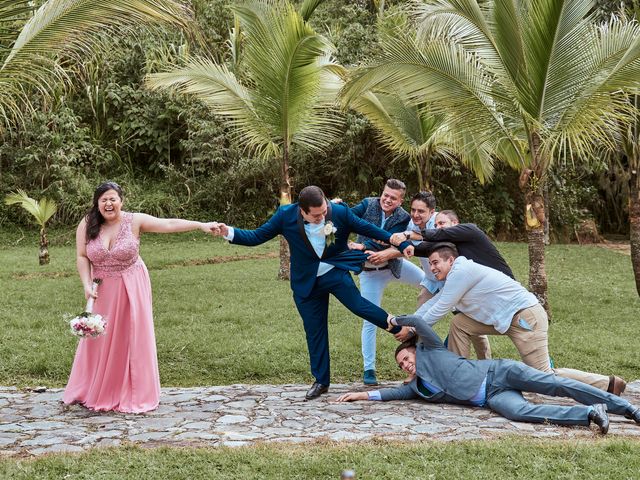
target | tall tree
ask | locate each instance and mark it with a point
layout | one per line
(281, 93)
(538, 75)
(629, 143)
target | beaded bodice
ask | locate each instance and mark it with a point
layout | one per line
(123, 255)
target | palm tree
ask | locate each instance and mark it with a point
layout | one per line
(41, 211)
(630, 146)
(536, 78)
(29, 56)
(282, 92)
(417, 134)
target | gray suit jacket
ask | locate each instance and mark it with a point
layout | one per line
(458, 378)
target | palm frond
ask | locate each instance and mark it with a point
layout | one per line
(460, 21)
(594, 108)
(291, 71)
(42, 211)
(72, 27)
(308, 7)
(552, 30)
(11, 13)
(452, 79)
(219, 88)
(58, 22)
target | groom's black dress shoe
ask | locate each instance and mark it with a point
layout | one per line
(633, 415)
(316, 390)
(599, 416)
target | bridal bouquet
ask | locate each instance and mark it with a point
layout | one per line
(89, 324)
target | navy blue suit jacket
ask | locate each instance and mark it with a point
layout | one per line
(288, 221)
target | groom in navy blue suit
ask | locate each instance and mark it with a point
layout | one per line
(318, 232)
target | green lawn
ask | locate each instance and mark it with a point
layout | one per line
(500, 459)
(223, 322)
(232, 322)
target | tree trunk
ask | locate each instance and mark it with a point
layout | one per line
(43, 257)
(634, 220)
(532, 184)
(423, 167)
(285, 199)
(546, 215)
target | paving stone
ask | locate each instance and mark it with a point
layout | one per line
(396, 420)
(10, 427)
(60, 448)
(198, 426)
(235, 415)
(43, 440)
(145, 437)
(430, 428)
(347, 435)
(9, 439)
(41, 425)
(232, 419)
(196, 436)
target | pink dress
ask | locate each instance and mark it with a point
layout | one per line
(118, 370)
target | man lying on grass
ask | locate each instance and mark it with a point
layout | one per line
(441, 376)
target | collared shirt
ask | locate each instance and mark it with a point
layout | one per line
(317, 238)
(482, 293)
(430, 282)
(478, 400)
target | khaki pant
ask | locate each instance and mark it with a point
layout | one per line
(528, 332)
(480, 342)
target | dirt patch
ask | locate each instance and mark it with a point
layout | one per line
(620, 247)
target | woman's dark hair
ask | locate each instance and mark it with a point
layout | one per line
(94, 218)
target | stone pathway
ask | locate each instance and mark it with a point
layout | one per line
(34, 423)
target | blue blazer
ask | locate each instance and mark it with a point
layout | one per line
(288, 221)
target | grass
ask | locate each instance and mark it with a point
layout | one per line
(504, 459)
(221, 319)
(232, 322)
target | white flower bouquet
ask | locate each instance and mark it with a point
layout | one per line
(89, 324)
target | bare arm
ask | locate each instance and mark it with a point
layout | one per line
(82, 261)
(148, 223)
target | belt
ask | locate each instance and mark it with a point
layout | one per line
(375, 269)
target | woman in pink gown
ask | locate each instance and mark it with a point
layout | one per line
(118, 370)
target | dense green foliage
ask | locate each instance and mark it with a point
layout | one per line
(174, 158)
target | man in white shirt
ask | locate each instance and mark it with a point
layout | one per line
(495, 304)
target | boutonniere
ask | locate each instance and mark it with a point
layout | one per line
(329, 231)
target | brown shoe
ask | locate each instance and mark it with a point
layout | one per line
(616, 385)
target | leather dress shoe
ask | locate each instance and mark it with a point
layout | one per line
(633, 414)
(616, 385)
(599, 416)
(316, 390)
